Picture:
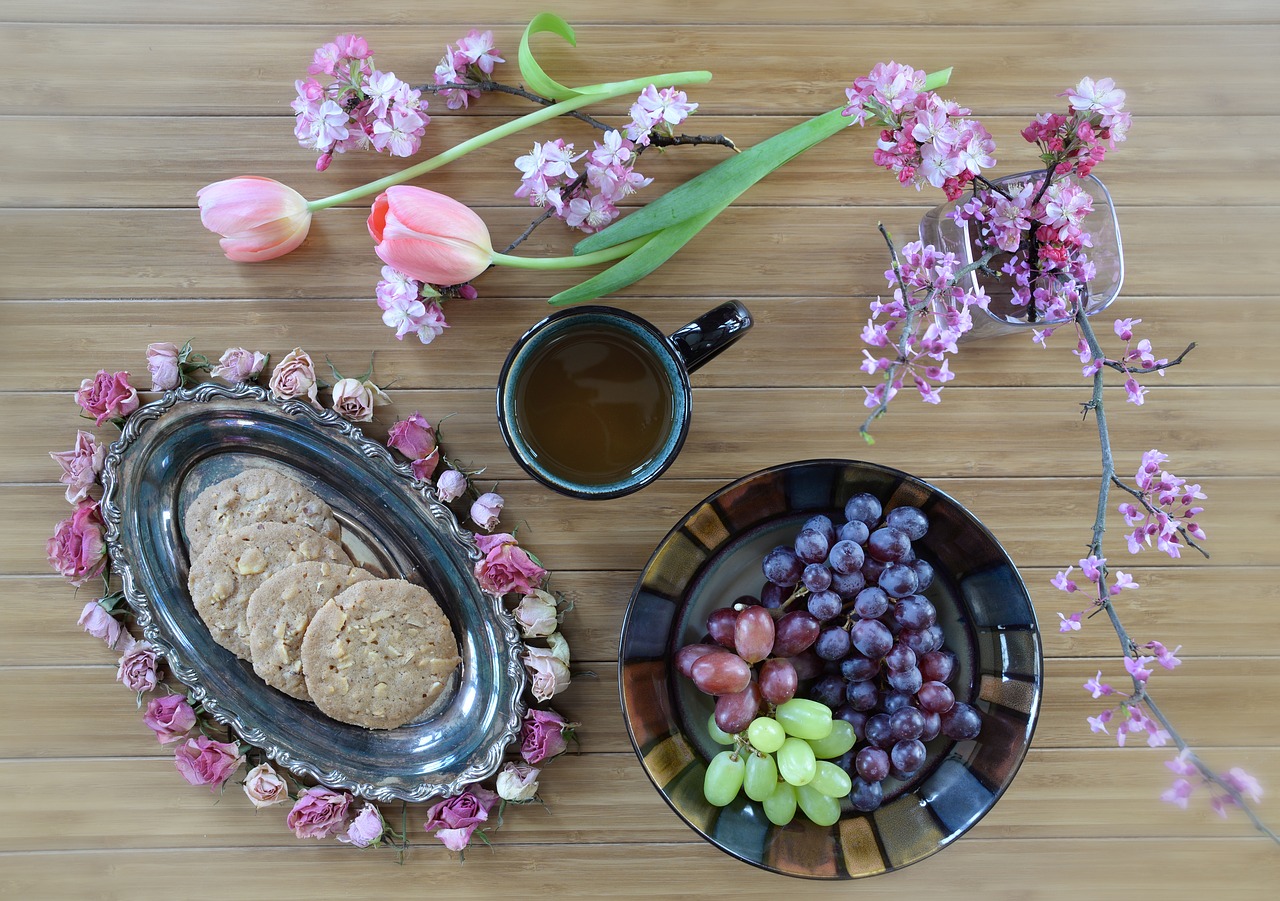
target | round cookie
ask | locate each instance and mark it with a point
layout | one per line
(255, 495)
(233, 566)
(379, 654)
(280, 610)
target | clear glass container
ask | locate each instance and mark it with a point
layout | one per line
(1003, 317)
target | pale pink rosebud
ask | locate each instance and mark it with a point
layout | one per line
(366, 829)
(264, 786)
(100, 624)
(295, 377)
(536, 614)
(353, 400)
(258, 218)
(239, 365)
(80, 466)
(138, 667)
(486, 510)
(170, 717)
(203, 761)
(428, 236)
(162, 363)
(517, 783)
(549, 674)
(450, 485)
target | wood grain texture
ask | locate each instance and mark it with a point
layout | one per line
(119, 112)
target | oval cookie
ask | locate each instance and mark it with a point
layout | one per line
(280, 610)
(231, 568)
(379, 654)
(255, 495)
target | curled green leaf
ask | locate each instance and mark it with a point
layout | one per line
(535, 79)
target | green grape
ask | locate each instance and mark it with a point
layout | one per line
(761, 778)
(780, 807)
(803, 718)
(822, 809)
(767, 735)
(841, 739)
(796, 762)
(830, 779)
(718, 735)
(724, 778)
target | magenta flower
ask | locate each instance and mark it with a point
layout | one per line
(170, 717)
(453, 820)
(1137, 667)
(366, 829)
(414, 437)
(1070, 623)
(1097, 687)
(542, 736)
(1164, 656)
(505, 566)
(1099, 723)
(80, 466)
(203, 761)
(1242, 782)
(107, 396)
(1178, 793)
(319, 813)
(1062, 582)
(78, 548)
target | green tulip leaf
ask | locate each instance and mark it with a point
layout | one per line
(535, 77)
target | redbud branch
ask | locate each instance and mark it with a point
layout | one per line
(501, 88)
(1128, 370)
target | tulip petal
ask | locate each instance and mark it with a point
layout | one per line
(436, 261)
(429, 213)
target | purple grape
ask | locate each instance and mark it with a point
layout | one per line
(866, 796)
(909, 557)
(847, 586)
(821, 524)
(938, 666)
(857, 668)
(828, 690)
(907, 680)
(877, 731)
(910, 520)
(807, 663)
(855, 718)
(846, 557)
(895, 700)
(832, 644)
(932, 726)
(924, 573)
(812, 546)
(816, 577)
(888, 544)
(908, 756)
(862, 696)
(872, 764)
(782, 567)
(914, 640)
(932, 638)
(871, 603)
(906, 723)
(871, 637)
(914, 612)
(778, 680)
(825, 606)
(961, 722)
(865, 508)
(772, 596)
(936, 697)
(898, 580)
(872, 568)
(855, 530)
(899, 658)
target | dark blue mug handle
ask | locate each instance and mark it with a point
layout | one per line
(711, 333)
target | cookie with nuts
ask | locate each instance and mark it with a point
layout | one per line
(233, 566)
(379, 655)
(255, 495)
(280, 610)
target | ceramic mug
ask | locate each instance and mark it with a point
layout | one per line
(595, 402)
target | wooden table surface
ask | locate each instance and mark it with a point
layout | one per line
(116, 113)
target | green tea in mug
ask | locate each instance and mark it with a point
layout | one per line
(595, 403)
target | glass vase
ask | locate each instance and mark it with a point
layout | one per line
(1002, 316)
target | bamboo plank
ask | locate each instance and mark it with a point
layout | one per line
(61, 169)
(1047, 425)
(238, 70)
(747, 252)
(1179, 606)
(798, 341)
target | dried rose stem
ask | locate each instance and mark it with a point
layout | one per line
(1127, 645)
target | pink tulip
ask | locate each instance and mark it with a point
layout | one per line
(259, 218)
(428, 236)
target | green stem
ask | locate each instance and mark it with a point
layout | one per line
(508, 128)
(571, 262)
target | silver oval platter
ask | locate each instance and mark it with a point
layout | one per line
(172, 449)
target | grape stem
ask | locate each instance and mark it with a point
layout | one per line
(1141, 692)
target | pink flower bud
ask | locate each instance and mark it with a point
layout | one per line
(450, 486)
(486, 510)
(428, 236)
(239, 365)
(414, 437)
(259, 218)
(162, 363)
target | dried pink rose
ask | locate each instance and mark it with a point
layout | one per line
(354, 399)
(295, 377)
(450, 486)
(486, 510)
(454, 819)
(81, 465)
(505, 567)
(414, 437)
(78, 548)
(203, 761)
(101, 624)
(425, 467)
(537, 614)
(319, 813)
(549, 672)
(170, 717)
(107, 396)
(264, 786)
(239, 365)
(517, 782)
(162, 363)
(138, 667)
(366, 829)
(542, 736)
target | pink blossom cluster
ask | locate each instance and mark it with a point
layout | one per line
(464, 65)
(1094, 569)
(1165, 510)
(589, 201)
(345, 103)
(925, 139)
(412, 307)
(925, 284)
(1075, 139)
(658, 111)
(1136, 358)
(1184, 769)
